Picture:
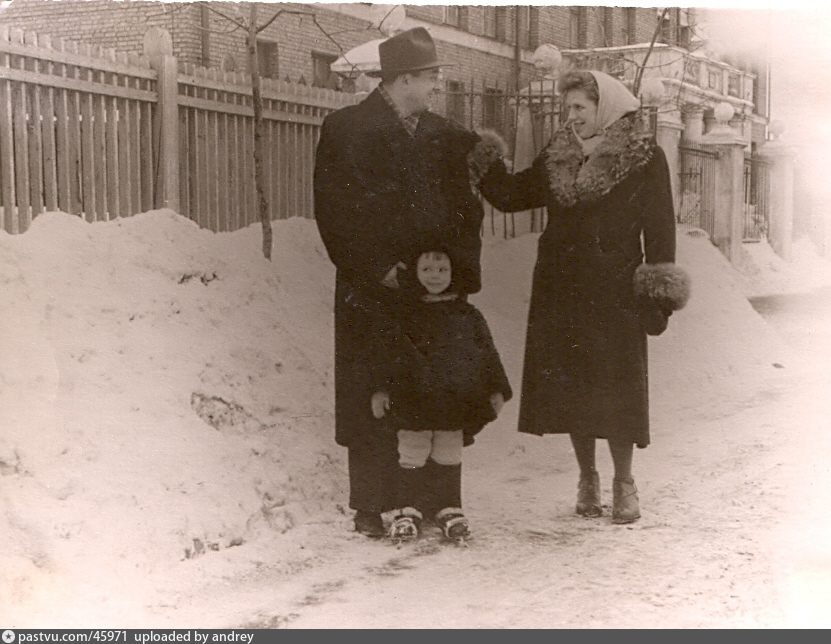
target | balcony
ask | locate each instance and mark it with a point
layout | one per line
(690, 77)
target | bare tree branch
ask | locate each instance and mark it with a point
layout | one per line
(167, 12)
(238, 23)
(639, 76)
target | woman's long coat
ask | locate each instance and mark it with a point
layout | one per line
(585, 368)
(379, 194)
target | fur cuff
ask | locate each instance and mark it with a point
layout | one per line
(490, 148)
(666, 284)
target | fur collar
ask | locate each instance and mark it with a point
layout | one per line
(626, 147)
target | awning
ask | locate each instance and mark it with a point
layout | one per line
(360, 59)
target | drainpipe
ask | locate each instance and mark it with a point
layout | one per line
(206, 36)
(517, 50)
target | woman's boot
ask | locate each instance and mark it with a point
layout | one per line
(626, 506)
(588, 495)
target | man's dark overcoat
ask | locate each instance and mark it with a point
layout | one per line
(585, 369)
(379, 192)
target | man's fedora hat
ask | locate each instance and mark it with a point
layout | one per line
(409, 51)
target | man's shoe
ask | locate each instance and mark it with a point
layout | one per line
(369, 524)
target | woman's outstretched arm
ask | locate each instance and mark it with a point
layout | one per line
(514, 192)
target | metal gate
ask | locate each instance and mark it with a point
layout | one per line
(696, 187)
(756, 205)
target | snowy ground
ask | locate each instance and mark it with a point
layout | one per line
(167, 454)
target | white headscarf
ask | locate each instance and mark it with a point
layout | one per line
(614, 101)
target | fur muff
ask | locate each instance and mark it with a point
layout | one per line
(490, 148)
(666, 284)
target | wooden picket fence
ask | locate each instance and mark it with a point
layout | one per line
(103, 134)
(75, 124)
(216, 121)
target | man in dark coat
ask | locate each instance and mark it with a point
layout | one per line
(388, 173)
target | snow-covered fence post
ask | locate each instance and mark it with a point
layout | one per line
(158, 47)
(729, 183)
(780, 196)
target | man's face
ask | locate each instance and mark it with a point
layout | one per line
(434, 272)
(420, 89)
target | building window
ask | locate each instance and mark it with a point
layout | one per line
(496, 22)
(490, 21)
(493, 109)
(691, 69)
(529, 26)
(714, 80)
(455, 106)
(267, 58)
(577, 30)
(322, 75)
(734, 82)
(631, 27)
(665, 34)
(455, 15)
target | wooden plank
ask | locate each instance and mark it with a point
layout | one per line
(113, 157)
(233, 172)
(198, 175)
(123, 134)
(34, 133)
(280, 91)
(148, 158)
(202, 184)
(75, 59)
(244, 110)
(62, 158)
(184, 162)
(50, 179)
(102, 163)
(267, 165)
(282, 170)
(213, 176)
(21, 146)
(75, 171)
(134, 122)
(224, 153)
(86, 86)
(87, 147)
(7, 161)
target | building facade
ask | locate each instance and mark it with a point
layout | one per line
(491, 46)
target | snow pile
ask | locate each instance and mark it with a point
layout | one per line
(166, 399)
(166, 392)
(766, 273)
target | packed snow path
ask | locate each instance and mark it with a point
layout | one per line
(167, 458)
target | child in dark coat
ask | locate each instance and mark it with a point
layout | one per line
(440, 381)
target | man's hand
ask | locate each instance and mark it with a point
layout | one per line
(380, 404)
(391, 278)
(497, 401)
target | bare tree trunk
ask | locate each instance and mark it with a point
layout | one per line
(259, 180)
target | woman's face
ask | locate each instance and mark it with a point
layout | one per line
(582, 113)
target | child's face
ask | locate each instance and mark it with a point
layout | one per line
(434, 272)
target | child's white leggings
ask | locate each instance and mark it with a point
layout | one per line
(414, 448)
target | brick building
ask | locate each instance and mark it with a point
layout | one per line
(480, 40)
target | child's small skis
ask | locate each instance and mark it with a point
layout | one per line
(454, 526)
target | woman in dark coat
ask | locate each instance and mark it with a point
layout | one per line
(598, 289)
